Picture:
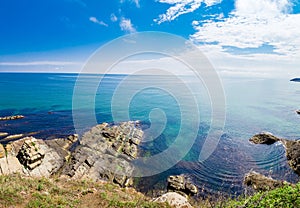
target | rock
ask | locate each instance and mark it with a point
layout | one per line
(2, 151)
(30, 155)
(174, 200)
(105, 153)
(292, 149)
(179, 183)
(12, 137)
(3, 134)
(11, 117)
(264, 138)
(260, 182)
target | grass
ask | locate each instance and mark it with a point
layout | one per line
(285, 197)
(20, 191)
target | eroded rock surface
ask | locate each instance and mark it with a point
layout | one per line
(264, 138)
(292, 148)
(35, 157)
(260, 182)
(179, 183)
(106, 152)
(30, 155)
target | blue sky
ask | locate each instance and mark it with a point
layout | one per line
(240, 37)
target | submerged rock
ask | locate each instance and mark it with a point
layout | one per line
(260, 182)
(179, 183)
(264, 138)
(11, 117)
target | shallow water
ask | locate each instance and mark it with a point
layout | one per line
(252, 106)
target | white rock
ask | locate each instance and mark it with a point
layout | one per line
(174, 199)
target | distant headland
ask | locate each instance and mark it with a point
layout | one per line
(295, 80)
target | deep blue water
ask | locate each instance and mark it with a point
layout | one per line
(252, 105)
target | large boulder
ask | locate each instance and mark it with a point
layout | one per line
(30, 155)
(260, 182)
(174, 200)
(181, 184)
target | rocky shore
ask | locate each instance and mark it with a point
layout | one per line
(104, 153)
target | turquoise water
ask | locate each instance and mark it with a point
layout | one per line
(252, 106)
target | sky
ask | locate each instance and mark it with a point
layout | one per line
(257, 38)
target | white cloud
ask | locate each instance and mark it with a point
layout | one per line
(181, 7)
(254, 24)
(113, 17)
(126, 25)
(95, 20)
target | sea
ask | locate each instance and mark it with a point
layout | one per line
(56, 105)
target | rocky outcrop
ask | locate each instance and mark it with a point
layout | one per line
(11, 117)
(295, 80)
(180, 184)
(264, 138)
(35, 157)
(292, 148)
(3, 134)
(174, 200)
(260, 182)
(12, 137)
(30, 155)
(106, 152)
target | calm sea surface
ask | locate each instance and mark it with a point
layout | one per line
(252, 106)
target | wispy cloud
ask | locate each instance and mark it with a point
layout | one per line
(136, 2)
(95, 20)
(182, 7)
(113, 17)
(126, 25)
(39, 63)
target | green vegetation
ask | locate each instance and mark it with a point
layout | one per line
(19, 191)
(288, 196)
